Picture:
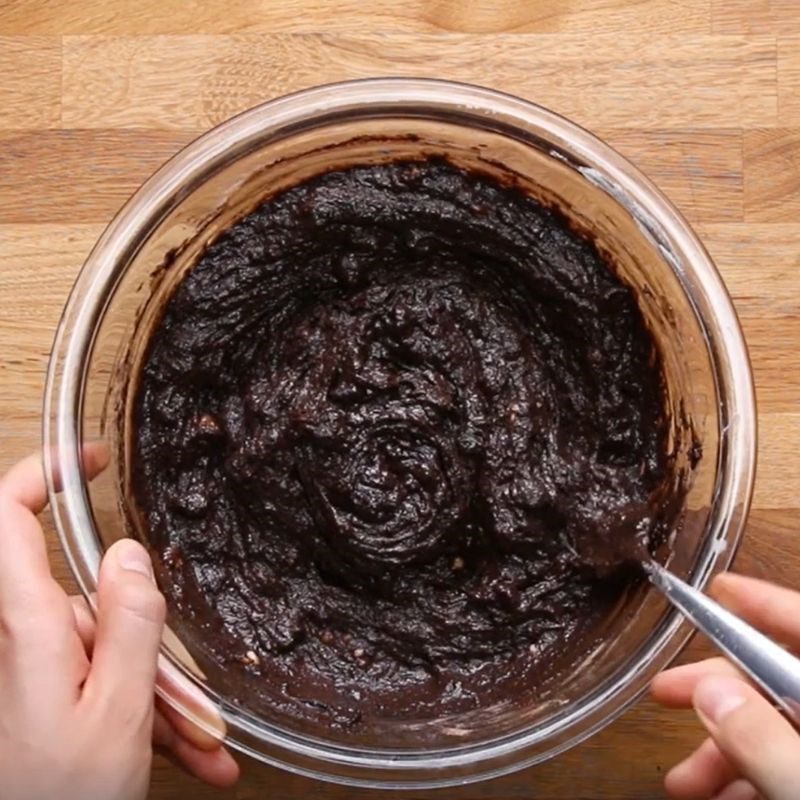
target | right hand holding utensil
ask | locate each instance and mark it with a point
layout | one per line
(753, 751)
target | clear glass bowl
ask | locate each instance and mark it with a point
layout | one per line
(222, 176)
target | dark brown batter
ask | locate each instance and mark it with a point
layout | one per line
(399, 437)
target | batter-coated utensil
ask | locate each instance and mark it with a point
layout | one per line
(774, 669)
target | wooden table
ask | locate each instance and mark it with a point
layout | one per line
(704, 95)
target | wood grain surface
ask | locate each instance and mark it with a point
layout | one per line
(704, 95)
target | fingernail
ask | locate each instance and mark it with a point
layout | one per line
(715, 698)
(132, 556)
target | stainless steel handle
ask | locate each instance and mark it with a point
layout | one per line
(774, 669)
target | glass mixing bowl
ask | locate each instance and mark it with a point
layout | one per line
(223, 175)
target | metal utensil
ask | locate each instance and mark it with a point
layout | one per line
(774, 669)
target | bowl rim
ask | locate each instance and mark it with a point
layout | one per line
(599, 164)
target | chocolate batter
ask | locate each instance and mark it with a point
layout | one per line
(400, 436)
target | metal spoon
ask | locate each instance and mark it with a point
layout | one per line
(774, 669)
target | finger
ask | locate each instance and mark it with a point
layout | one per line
(206, 736)
(84, 622)
(216, 767)
(738, 790)
(35, 614)
(199, 706)
(25, 579)
(36, 620)
(674, 687)
(23, 553)
(130, 622)
(772, 609)
(25, 482)
(704, 773)
(94, 459)
(751, 734)
(33, 607)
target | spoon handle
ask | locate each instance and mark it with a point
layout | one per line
(774, 669)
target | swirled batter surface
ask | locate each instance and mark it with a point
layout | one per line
(399, 433)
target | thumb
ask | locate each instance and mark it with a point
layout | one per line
(130, 621)
(752, 734)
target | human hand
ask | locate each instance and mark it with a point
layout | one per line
(753, 751)
(77, 716)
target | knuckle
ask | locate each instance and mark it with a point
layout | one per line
(6, 500)
(34, 616)
(15, 628)
(27, 640)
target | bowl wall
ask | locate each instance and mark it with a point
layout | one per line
(226, 173)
